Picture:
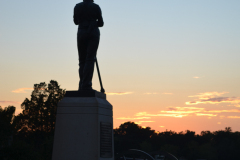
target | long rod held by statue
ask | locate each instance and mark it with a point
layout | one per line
(99, 76)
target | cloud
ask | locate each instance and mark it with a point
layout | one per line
(196, 77)
(168, 93)
(224, 111)
(213, 98)
(237, 105)
(203, 114)
(183, 110)
(151, 93)
(118, 93)
(162, 126)
(215, 101)
(160, 115)
(128, 118)
(10, 102)
(22, 90)
(234, 117)
(140, 122)
(208, 95)
(180, 112)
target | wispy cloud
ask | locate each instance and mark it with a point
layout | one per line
(10, 102)
(224, 111)
(213, 98)
(162, 126)
(183, 110)
(168, 93)
(207, 95)
(237, 105)
(118, 93)
(160, 115)
(179, 112)
(22, 90)
(234, 117)
(197, 77)
(204, 114)
(148, 93)
(140, 122)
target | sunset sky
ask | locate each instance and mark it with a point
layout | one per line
(170, 65)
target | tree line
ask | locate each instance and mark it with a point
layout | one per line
(217, 145)
(29, 135)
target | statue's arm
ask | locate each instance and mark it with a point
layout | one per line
(99, 17)
(75, 19)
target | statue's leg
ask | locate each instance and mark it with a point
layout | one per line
(82, 53)
(92, 47)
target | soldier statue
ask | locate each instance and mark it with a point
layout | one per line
(88, 17)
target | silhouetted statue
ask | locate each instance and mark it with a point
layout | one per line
(88, 17)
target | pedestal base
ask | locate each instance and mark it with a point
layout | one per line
(84, 128)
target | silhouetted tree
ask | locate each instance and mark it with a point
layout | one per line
(130, 135)
(6, 127)
(39, 112)
(218, 145)
(6, 130)
(226, 143)
(34, 127)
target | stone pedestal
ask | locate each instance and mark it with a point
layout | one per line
(84, 127)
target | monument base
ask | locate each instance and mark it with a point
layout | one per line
(84, 127)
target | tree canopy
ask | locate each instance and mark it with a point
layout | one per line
(39, 112)
(32, 130)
